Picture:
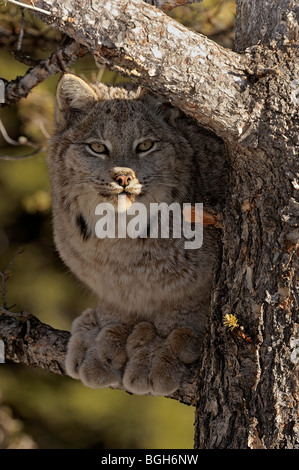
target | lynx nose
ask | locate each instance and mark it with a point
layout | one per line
(123, 176)
(123, 180)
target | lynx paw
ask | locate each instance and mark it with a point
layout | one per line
(95, 374)
(185, 344)
(84, 331)
(95, 356)
(158, 365)
(166, 372)
(111, 345)
(139, 348)
(169, 360)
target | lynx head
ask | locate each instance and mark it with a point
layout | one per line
(116, 140)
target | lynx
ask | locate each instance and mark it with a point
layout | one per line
(153, 293)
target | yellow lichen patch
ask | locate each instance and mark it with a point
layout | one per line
(230, 321)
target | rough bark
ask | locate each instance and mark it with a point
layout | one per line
(167, 5)
(140, 41)
(248, 378)
(29, 341)
(264, 21)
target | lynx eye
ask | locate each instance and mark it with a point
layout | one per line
(144, 146)
(98, 148)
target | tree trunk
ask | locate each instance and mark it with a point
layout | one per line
(248, 395)
(248, 376)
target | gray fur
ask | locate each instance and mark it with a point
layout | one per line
(153, 294)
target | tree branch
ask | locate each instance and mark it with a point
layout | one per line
(140, 41)
(29, 341)
(63, 57)
(34, 343)
(29, 6)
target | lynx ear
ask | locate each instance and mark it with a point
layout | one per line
(73, 97)
(169, 112)
(163, 108)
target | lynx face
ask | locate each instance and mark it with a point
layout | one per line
(112, 145)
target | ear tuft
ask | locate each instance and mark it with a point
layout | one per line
(73, 95)
(74, 92)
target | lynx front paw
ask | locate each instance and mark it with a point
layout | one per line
(111, 345)
(95, 356)
(157, 365)
(95, 374)
(166, 372)
(185, 344)
(139, 348)
(168, 369)
(84, 331)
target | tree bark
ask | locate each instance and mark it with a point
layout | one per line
(140, 41)
(29, 341)
(167, 5)
(261, 21)
(248, 376)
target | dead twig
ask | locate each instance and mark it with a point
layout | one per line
(62, 58)
(21, 35)
(21, 157)
(30, 7)
(22, 141)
